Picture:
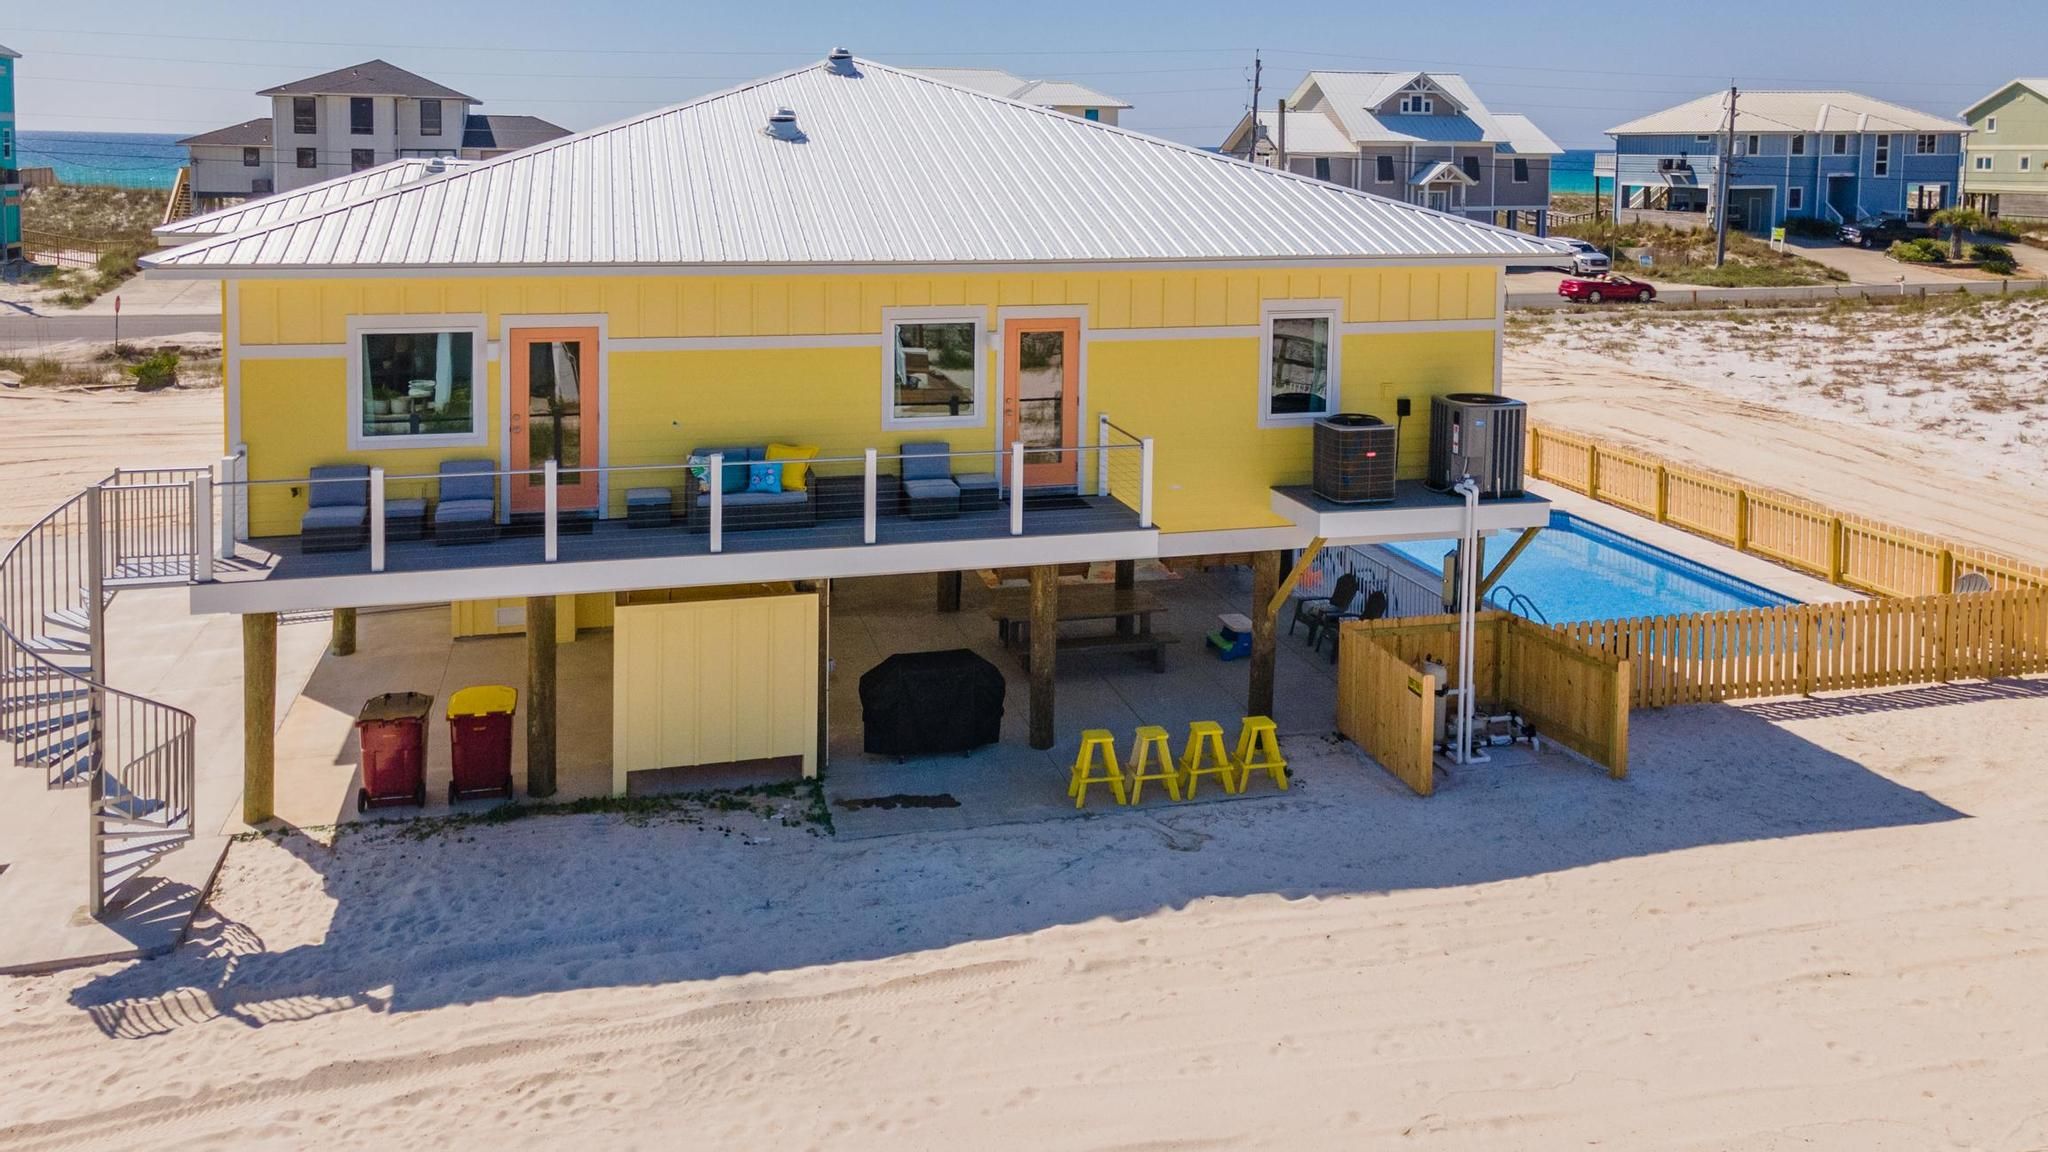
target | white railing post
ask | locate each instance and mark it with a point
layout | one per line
(1017, 488)
(241, 493)
(202, 528)
(1145, 482)
(1102, 454)
(550, 502)
(717, 483)
(228, 495)
(376, 519)
(869, 498)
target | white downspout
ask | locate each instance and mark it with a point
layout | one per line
(1468, 585)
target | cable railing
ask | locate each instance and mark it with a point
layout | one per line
(914, 493)
(133, 755)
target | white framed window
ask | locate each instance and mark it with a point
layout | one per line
(416, 382)
(1841, 144)
(1703, 138)
(2026, 163)
(1925, 143)
(1881, 159)
(1795, 198)
(932, 368)
(1799, 145)
(1383, 170)
(1981, 163)
(1755, 144)
(1418, 105)
(1298, 360)
(1991, 124)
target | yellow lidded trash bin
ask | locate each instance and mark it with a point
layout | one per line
(480, 741)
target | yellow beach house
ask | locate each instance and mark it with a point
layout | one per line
(848, 320)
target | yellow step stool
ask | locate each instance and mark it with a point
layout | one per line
(1258, 750)
(1204, 757)
(1088, 771)
(1151, 759)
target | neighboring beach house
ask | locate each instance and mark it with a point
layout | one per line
(1834, 157)
(2007, 170)
(1421, 137)
(342, 122)
(1058, 95)
(678, 375)
(10, 163)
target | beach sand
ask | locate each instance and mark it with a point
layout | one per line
(55, 442)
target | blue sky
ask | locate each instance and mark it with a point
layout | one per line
(1576, 68)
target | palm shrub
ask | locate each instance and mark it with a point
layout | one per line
(1926, 251)
(1994, 258)
(1958, 221)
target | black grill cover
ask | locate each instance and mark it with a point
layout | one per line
(916, 703)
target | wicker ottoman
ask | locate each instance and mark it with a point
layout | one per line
(978, 491)
(649, 507)
(405, 519)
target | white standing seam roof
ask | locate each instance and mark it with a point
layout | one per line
(298, 202)
(2038, 85)
(1762, 111)
(982, 181)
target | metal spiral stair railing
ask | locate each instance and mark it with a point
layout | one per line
(133, 756)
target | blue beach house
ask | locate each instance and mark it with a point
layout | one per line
(10, 163)
(1833, 157)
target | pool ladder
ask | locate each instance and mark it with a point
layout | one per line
(1502, 596)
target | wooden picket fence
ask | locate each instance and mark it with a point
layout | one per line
(1800, 649)
(1572, 692)
(1842, 548)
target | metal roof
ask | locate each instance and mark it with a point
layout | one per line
(1354, 99)
(248, 132)
(298, 202)
(370, 78)
(10, 53)
(1308, 134)
(1761, 111)
(1524, 138)
(2038, 85)
(984, 181)
(1044, 93)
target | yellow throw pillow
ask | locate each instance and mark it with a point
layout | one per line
(792, 478)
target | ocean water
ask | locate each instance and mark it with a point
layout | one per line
(124, 159)
(1572, 173)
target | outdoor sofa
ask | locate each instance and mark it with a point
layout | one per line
(337, 515)
(466, 512)
(788, 508)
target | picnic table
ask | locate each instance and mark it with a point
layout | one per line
(1131, 609)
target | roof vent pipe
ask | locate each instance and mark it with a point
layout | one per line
(840, 62)
(782, 125)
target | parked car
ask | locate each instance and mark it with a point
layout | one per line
(1600, 289)
(1588, 260)
(1878, 232)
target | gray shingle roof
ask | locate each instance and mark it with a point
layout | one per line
(985, 181)
(498, 132)
(370, 78)
(249, 133)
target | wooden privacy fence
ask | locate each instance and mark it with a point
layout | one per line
(1799, 649)
(1571, 692)
(1844, 549)
(1388, 708)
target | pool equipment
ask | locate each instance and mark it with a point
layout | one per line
(1354, 458)
(1477, 434)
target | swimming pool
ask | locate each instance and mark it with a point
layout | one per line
(1578, 570)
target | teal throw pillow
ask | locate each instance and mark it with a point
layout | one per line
(764, 477)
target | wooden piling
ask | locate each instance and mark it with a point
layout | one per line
(1265, 590)
(344, 640)
(259, 717)
(540, 696)
(1045, 593)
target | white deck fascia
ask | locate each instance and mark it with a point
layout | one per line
(1373, 524)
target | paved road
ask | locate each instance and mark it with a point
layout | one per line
(1864, 266)
(19, 331)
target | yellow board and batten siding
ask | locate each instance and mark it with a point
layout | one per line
(714, 681)
(1197, 397)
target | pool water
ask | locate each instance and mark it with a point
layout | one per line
(1578, 570)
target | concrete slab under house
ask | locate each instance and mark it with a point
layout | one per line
(646, 380)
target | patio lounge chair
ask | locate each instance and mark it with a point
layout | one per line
(926, 478)
(1315, 611)
(466, 512)
(337, 515)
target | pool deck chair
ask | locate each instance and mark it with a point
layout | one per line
(467, 511)
(337, 515)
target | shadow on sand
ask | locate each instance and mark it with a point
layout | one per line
(546, 904)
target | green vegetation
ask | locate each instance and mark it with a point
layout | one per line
(92, 213)
(1996, 259)
(113, 268)
(158, 370)
(1683, 256)
(1923, 251)
(45, 372)
(1959, 221)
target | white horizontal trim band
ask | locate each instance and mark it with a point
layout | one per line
(292, 351)
(744, 343)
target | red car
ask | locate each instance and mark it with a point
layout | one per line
(1598, 289)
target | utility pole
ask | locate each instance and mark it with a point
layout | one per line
(1721, 183)
(1252, 149)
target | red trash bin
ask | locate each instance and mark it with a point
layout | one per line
(393, 729)
(480, 741)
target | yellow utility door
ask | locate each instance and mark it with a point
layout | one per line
(714, 682)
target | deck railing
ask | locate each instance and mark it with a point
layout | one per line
(1843, 548)
(1032, 487)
